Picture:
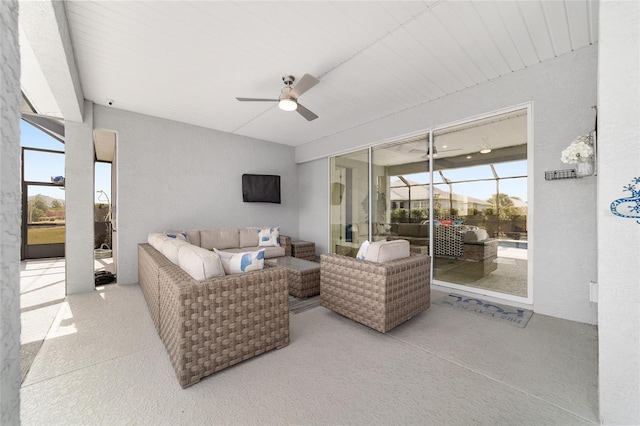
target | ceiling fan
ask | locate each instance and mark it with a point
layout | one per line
(288, 100)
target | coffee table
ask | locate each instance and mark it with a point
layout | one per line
(303, 275)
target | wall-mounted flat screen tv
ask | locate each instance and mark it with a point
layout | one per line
(261, 188)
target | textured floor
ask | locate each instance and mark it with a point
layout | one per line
(510, 277)
(103, 363)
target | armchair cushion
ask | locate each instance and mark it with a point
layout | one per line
(387, 251)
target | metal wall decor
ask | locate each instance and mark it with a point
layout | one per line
(628, 207)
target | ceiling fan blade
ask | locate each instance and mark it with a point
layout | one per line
(257, 100)
(310, 116)
(306, 82)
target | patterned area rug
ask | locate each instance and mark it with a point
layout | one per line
(300, 305)
(515, 316)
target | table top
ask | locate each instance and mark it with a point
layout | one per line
(294, 263)
(301, 242)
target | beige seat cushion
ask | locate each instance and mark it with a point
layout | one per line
(170, 248)
(387, 251)
(269, 252)
(199, 263)
(220, 238)
(248, 236)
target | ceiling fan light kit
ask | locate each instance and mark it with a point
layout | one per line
(287, 104)
(288, 100)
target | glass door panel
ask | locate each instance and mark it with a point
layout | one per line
(349, 191)
(480, 205)
(45, 221)
(400, 185)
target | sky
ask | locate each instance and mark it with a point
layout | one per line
(482, 190)
(40, 166)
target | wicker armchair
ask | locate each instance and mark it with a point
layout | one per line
(378, 295)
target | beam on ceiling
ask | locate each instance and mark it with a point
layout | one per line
(46, 30)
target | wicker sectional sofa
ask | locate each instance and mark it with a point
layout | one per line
(210, 325)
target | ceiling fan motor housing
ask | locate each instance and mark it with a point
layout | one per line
(288, 80)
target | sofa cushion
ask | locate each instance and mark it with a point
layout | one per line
(248, 236)
(237, 263)
(193, 237)
(170, 248)
(476, 235)
(269, 252)
(268, 237)
(387, 251)
(220, 238)
(156, 240)
(413, 230)
(199, 263)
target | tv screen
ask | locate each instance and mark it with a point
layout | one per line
(261, 188)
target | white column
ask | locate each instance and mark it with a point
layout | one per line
(619, 237)
(79, 199)
(9, 214)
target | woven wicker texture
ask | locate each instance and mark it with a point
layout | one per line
(285, 241)
(378, 295)
(304, 250)
(303, 284)
(209, 325)
(150, 261)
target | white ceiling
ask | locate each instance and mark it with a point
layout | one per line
(188, 61)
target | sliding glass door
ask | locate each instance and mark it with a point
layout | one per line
(469, 211)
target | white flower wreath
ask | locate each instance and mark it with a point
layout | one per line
(579, 150)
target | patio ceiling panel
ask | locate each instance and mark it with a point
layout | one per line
(187, 61)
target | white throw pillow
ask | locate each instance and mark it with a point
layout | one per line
(170, 248)
(199, 263)
(237, 263)
(362, 253)
(269, 237)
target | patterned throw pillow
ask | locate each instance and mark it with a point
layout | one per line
(363, 250)
(269, 237)
(237, 263)
(177, 235)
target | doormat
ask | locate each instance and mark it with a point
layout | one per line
(515, 316)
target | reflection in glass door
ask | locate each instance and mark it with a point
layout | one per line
(349, 180)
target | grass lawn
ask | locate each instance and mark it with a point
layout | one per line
(45, 235)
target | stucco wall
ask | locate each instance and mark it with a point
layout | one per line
(173, 175)
(562, 90)
(9, 215)
(618, 237)
(79, 198)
